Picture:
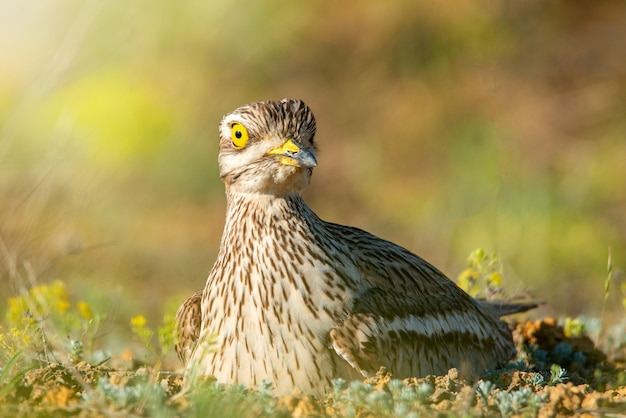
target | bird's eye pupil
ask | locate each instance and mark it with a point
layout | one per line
(238, 134)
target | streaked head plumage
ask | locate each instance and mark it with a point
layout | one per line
(268, 147)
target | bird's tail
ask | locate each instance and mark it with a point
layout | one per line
(502, 308)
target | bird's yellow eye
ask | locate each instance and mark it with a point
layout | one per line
(239, 135)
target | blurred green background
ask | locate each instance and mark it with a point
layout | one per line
(443, 126)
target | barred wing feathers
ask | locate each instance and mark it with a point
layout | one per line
(412, 319)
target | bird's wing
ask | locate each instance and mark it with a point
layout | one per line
(412, 319)
(188, 323)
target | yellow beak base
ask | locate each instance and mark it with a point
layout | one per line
(292, 154)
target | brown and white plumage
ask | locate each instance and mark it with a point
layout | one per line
(298, 301)
(188, 324)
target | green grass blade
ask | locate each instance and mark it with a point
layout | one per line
(4, 375)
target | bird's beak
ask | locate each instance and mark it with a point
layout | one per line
(292, 154)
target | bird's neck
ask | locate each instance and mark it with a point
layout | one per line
(266, 236)
(241, 205)
(257, 216)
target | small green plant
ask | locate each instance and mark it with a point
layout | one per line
(518, 401)
(562, 354)
(134, 394)
(165, 336)
(230, 401)
(9, 378)
(536, 379)
(484, 389)
(574, 327)
(557, 375)
(396, 398)
(46, 326)
(483, 275)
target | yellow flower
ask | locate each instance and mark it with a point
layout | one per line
(20, 335)
(57, 289)
(62, 305)
(495, 279)
(85, 310)
(138, 321)
(28, 321)
(467, 281)
(17, 309)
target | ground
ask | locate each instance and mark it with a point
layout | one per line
(555, 375)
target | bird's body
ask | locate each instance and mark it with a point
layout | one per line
(297, 301)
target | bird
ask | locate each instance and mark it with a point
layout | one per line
(297, 301)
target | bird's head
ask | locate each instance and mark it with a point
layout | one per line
(267, 147)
